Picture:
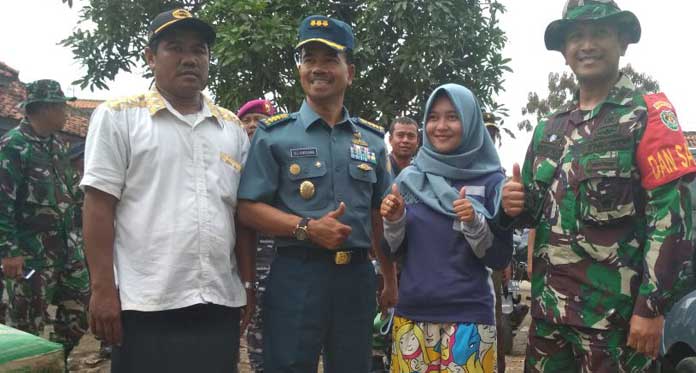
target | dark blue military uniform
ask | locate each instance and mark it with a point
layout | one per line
(299, 164)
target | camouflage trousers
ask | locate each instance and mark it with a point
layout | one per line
(563, 348)
(67, 288)
(255, 331)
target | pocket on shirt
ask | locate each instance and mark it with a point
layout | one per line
(544, 170)
(606, 193)
(306, 186)
(364, 178)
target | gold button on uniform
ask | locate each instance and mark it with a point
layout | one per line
(295, 169)
(307, 189)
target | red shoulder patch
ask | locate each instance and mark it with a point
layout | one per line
(663, 155)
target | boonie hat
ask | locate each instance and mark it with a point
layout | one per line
(44, 90)
(591, 10)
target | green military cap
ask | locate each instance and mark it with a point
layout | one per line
(591, 10)
(44, 90)
(329, 31)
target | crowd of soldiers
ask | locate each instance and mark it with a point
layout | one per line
(189, 225)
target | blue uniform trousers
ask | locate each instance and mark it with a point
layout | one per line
(313, 306)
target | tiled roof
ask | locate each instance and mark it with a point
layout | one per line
(79, 112)
(12, 92)
(85, 104)
(690, 138)
(77, 122)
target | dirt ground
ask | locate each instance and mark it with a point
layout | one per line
(85, 358)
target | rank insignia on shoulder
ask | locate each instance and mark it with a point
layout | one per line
(275, 120)
(379, 130)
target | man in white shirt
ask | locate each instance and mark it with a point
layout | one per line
(161, 177)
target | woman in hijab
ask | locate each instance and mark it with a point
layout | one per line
(437, 216)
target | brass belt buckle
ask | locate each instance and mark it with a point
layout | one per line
(342, 257)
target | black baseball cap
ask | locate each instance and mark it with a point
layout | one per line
(180, 17)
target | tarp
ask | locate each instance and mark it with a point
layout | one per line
(24, 352)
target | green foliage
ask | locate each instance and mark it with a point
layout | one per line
(405, 48)
(563, 86)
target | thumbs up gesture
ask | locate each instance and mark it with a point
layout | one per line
(337, 213)
(513, 194)
(392, 205)
(327, 231)
(463, 208)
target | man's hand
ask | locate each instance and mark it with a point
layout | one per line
(248, 310)
(105, 315)
(644, 335)
(13, 267)
(392, 207)
(513, 194)
(463, 208)
(327, 231)
(388, 297)
(507, 274)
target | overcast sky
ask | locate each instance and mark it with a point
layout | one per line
(31, 30)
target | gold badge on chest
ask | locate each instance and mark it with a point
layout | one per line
(307, 189)
(295, 169)
(365, 167)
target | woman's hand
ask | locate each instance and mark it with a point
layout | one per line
(392, 205)
(463, 208)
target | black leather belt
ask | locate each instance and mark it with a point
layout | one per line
(338, 257)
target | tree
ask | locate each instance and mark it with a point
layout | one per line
(563, 86)
(405, 48)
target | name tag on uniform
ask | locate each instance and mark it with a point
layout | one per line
(303, 152)
(475, 190)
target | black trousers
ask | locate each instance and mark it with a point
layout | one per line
(200, 338)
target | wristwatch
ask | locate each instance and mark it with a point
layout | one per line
(249, 285)
(300, 232)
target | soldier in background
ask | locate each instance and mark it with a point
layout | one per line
(250, 113)
(40, 241)
(403, 138)
(254, 111)
(604, 184)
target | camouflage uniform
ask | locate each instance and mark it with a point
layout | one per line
(606, 247)
(40, 220)
(265, 252)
